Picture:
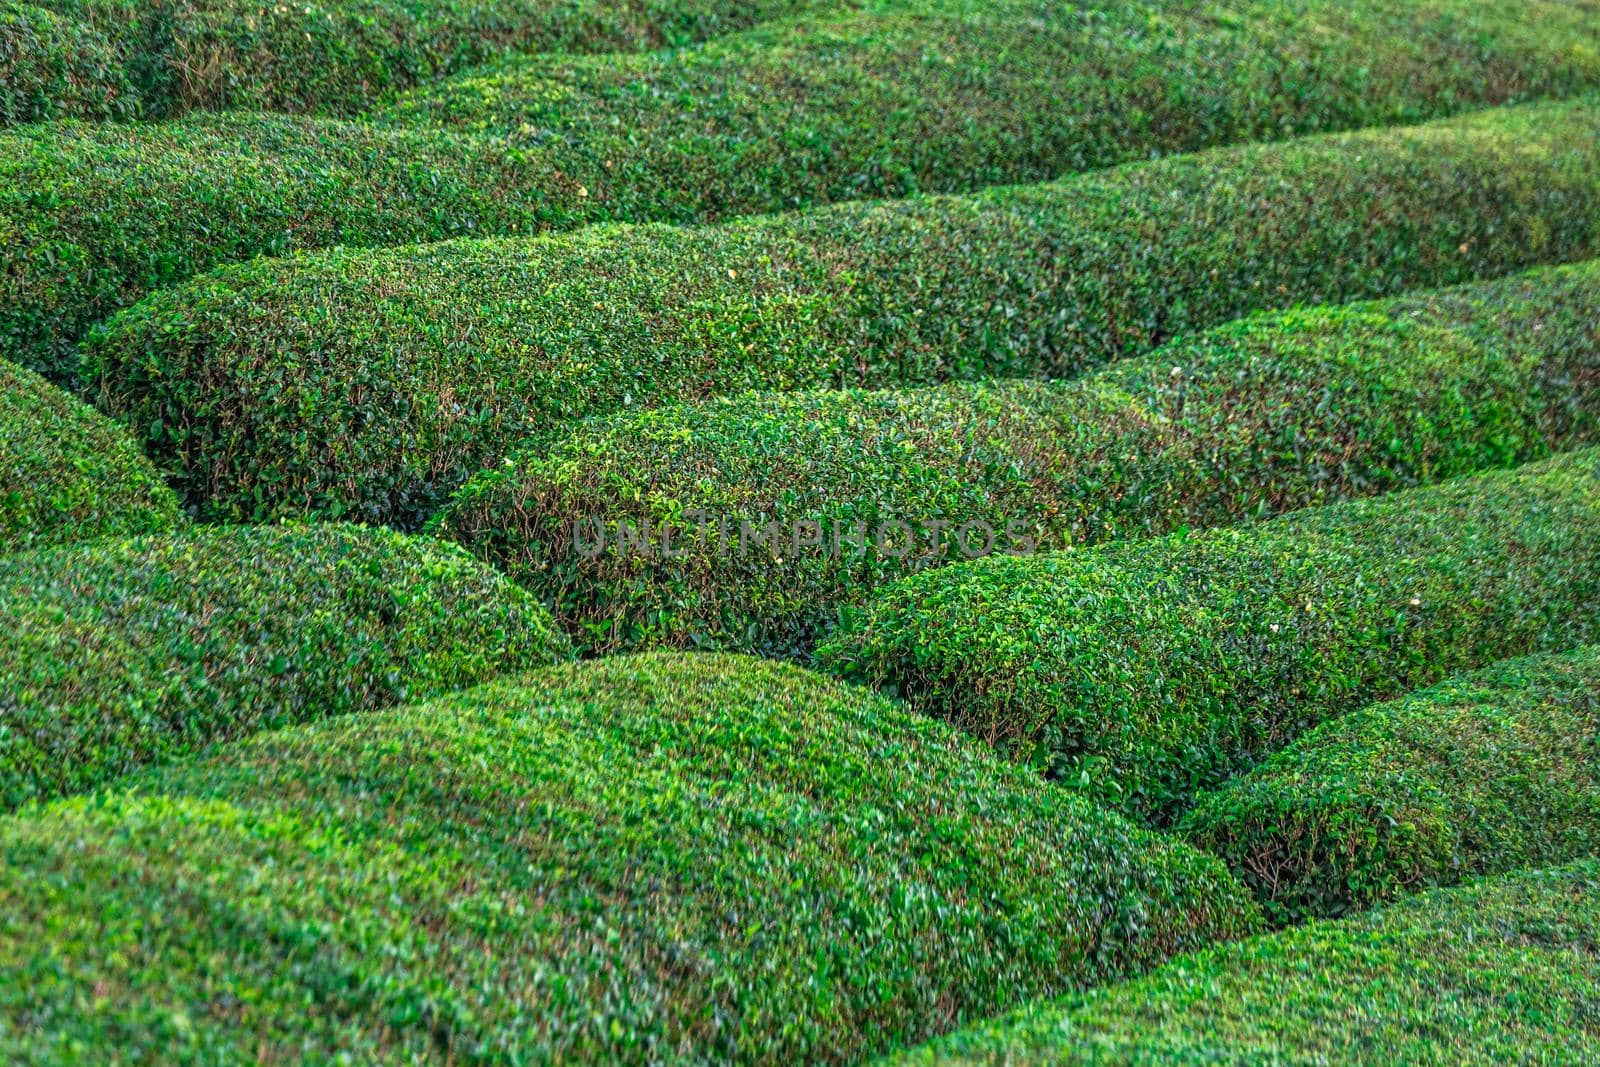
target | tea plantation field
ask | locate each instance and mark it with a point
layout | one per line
(800, 531)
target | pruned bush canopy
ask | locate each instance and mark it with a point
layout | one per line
(909, 96)
(1144, 671)
(368, 384)
(1502, 971)
(118, 653)
(67, 473)
(672, 858)
(632, 526)
(1486, 772)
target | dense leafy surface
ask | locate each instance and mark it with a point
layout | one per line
(52, 65)
(1253, 418)
(1484, 773)
(93, 217)
(1143, 671)
(1164, 68)
(109, 58)
(644, 859)
(677, 857)
(116, 653)
(370, 383)
(950, 95)
(67, 473)
(1501, 971)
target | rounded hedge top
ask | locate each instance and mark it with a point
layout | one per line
(95, 215)
(69, 474)
(953, 95)
(632, 526)
(114, 654)
(644, 859)
(1144, 671)
(92, 220)
(1487, 772)
(370, 383)
(1502, 971)
(160, 57)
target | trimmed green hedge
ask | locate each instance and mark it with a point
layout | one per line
(67, 473)
(1165, 69)
(942, 96)
(371, 383)
(1254, 418)
(1144, 671)
(50, 66)
(676, 858)
(90, 220)
(1487, 772)
(1501, 971)
(159, 57)
(95, 215)
(118, 653)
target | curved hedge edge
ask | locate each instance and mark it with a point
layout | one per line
(944, 97)
(163, 59)
(1144, 672)
(632, 527)
(369, 384)
(119, 653)
(1484, 773)
(95, 216)
(69, 474)
(633, 858)
(1500, 971)
(106, 217)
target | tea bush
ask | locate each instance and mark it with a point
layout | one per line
(1484, 773)
(673, 858)
(118, 653)
(1142, 672)
(1251, 419)
(93, 218)
(57, 66)
(369, 384)
(67, 473)
(160, 57)
(953, 95)
(1501, 971)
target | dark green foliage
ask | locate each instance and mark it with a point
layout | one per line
(159, 57)
(95, 215)
(92, 219)
(371, 383)
(1144, 671)
(118, 653)
(1253, 418)
(66, 473)
(1501, 971)
(952, 95)
(52, 66)
(1487, 772)
(652, 859)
